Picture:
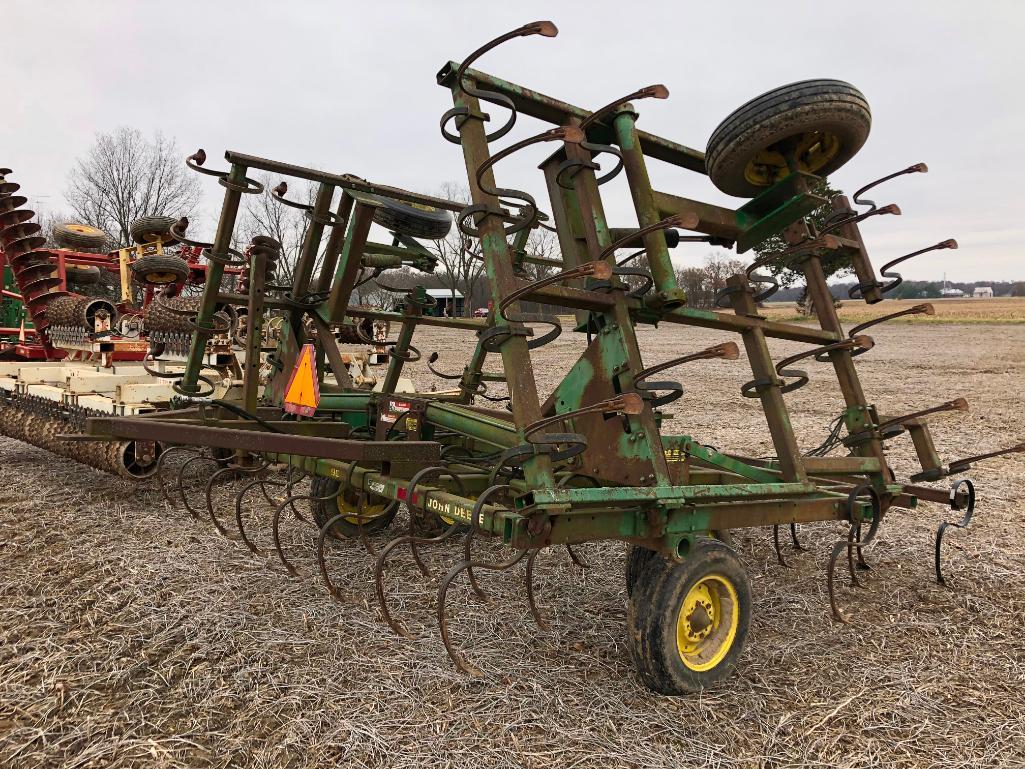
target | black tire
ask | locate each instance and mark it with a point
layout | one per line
(159, 269)
(79, 236)
(324, 510)
(82, 274)
(147, 229)
(827, 120)
(719, 616)
(636, 560)
(416, 221)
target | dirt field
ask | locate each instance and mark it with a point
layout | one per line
(991, 311)
(132, 635)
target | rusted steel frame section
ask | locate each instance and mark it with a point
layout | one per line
(328, 344)
(619, 496)
(629, 141)
(350, 260)
(501, 281)
(400, 352)
(311, 247)
(600, 302)
(263, 442)
(335, 241)
(569, 228)
(558, 112)
(628, 522)
(344, 181)
(465, 324)
(473, 375)
(843, 364)
(712, 220)
(242, 300)
(858, 254)
(254, 331)
(616, 319)
(768, 385)
(234, 184)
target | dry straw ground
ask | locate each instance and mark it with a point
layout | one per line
(131, 635)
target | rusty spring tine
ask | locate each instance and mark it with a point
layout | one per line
(917, 168)
(237, 471)
(685, 221)
(797, 546)
(262, 484)
(440, 374)
(918, 309)
(382, 600)
(961, 465)
(196, 160)
(454, 654)
(625, 403)
(468, 564)
(596, 269)
(966, 519)
(181, 479)
(528, 577)
(413, 541)
(159, 470)
(276, 522)
(543, 28)
(331, 219)
(890, 208)
(853, 542)
(325, 532)
(177, 231)
(428, 472)
(575, 557)
(524, 200)
(726, 351)
(860, 342)
(958, 404)
(856, 292)
(657, 91)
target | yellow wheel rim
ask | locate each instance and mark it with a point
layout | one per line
(161, 277)
(707, 625)
(348, 502)
(812, 152)
(83, 229)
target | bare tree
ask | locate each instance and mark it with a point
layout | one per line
(124, 176)
(703, 283)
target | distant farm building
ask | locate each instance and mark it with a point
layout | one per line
(951, 292)
(448, 302)
(983, 292)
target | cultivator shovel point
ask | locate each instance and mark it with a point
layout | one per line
(594, 459)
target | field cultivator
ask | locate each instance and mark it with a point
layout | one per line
(66, 356)
(597, 457)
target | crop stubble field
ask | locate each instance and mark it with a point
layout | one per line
(132, 635)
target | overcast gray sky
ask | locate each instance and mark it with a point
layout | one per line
(349, 87)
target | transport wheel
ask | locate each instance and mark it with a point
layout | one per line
(82, 274)
(814, 125)
(160, 269)
(379, 510)
(147, 229)
(80, 236)
(413, 219)
(636, 560)
(688, 621)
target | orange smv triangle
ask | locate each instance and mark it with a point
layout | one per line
(303, 392)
